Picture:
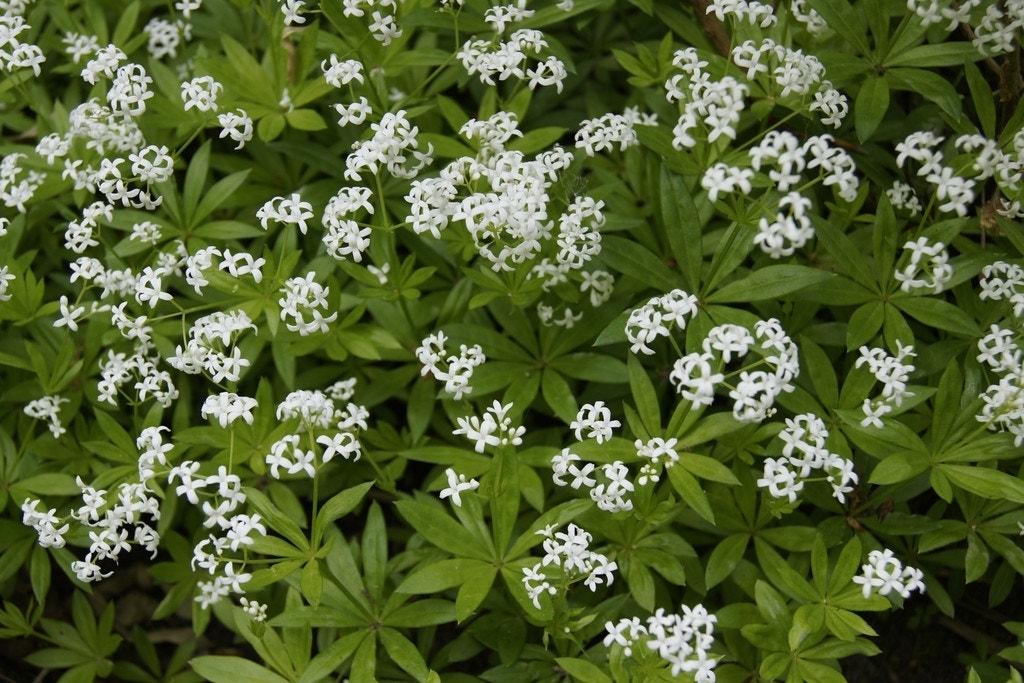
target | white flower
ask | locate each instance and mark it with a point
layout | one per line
(886, 573)
(456, 485)
(69, 315)
(596, 418)
(228, 407)
(344, 444)
(292, 11)
(201, 93)
(237, 126)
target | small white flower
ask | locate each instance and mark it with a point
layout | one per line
(69, 315)
(457, 483)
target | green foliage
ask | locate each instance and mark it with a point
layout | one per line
(594, 340)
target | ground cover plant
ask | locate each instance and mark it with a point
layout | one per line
(584, 340)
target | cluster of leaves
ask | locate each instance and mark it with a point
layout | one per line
(361, 569)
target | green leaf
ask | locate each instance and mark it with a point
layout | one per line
(682, 224)
(939, 54)
(331, 657)
(823, 375)
(931, 85)
(375, 552)
(983, 98)
(441, 530)
(938, 314)
(976, 559)
(644, 396)
(229, 669)
(841, 18)
(404, 653)
(221, 191)
(312, 582)
(641, 585)
(442, 575)
(724, 558)
(769, 282)
(276, 519)
(899, 467)
(633, 260)
(195, 179)
(947, 404)
(421, 613)
(691, 492)
(39, 573)
(341, 504)
(473, 591)
(707, 468)
(783, 576)
(559, 395)
(870, 106)
(305, 119)
(985, 482)
(840, 247)
(582, 670)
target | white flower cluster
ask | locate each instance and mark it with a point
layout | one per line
(609, 493)
(805, 453)
(809, 17)
(316, 412)
(290, 210)
(894, 373)
(302, 296)
(933, 274)
(696, 375)
(237, 125)
(383, 26)
(1000, 350)
(786, 159)
(227, 407)
(683, 641)
(995, 29)
(793, 73)
(18, 185)
(902, 196)
(48, 408)
(457, 370)
(5, 282)
(750, 11)
(504, 59)
(597, 420)
(884, 574)
(200, 93)
(714, 106)
(113, 523)
(954, 193)
(256, 610)
(393, 146)
(495, 429)
(1004, 281)
(212, 347)
(658, 453)
(339, 73)
(15, 54)
(506, 205)
(166, 36)
(345, 237)
(657, 317)
(567, 559)
(221, 496)
(603, 133)
(120, 369)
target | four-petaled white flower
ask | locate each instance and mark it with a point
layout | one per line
(457, 483)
